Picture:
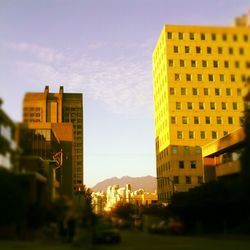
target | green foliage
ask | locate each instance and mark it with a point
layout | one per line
(123, 211)
(13, 207)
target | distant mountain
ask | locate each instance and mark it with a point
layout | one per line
(148, 183)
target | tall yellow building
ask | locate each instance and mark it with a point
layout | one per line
(199, 74)
(46, 107)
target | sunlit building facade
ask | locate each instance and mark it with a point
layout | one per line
(8, 147)
(199, 74)
(56, 108)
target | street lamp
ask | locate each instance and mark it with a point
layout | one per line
(56, 164)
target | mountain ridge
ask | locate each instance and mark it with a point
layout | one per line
(148, 183)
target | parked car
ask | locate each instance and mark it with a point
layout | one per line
(105, 232)
(161, 227)
(172, 226)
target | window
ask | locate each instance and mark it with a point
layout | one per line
(230, 120)
(209, 50)
(201, 105)
(195, 91)
(220, 50)
(210, 77)
(188, 77)
(187, 49)
(235, 38)
(225, 133)
(183, 91)
(180, 36)
(170, 35)
(170, 63)
(173, 119)
(212, 105)
(226, 64)
(198, 49)
(207, 120)
(186, 150)
(242, 120)
(246, 38)
(213, 36)
(193, 63)
(241, 51)
(203, 36)
(177, 77)
(217, 91)
(224, 37)
(228, 92)
(205, 91)
(171, 90)
(204, 63)
(191, 36)
(199, 77)
(189, 105)
(196, 120)
(176, 49)
(182, 63)
(214, 135)
(174, 149)
(191, 134)
(234, 104)
(176, 180)
(218, 120)
(178, 105)
(222, 78)
(193, 164)
(248, 64)
(197, 149)
(200, 179)
(232, 78)
(188, 179)
(181, 164)
(230, 50)
(184, 120)
(202, 135)
(179, 134)
(239, 93)
(237, 64)
(223, 106)
(215, 63)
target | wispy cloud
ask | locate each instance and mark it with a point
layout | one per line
(42, 53)
(122, 85)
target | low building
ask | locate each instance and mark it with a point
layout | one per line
(221, 158)
(140, 197)
(8, 148)
(52, 143)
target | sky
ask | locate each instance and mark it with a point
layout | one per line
(103, 49)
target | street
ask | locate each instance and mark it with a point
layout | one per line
(134, 240)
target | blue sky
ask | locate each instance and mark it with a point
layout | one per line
(103, 49)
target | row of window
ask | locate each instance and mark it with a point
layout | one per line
(186, 150)
(165, 167)
(203, 134)
(32, 109)
(205, 36)
(207, 50)
(31, 114)
(32, 120)
(205, 91)
(196, 120)
(206, 63)
(176, 180)
(201, 106)
(210, 77)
